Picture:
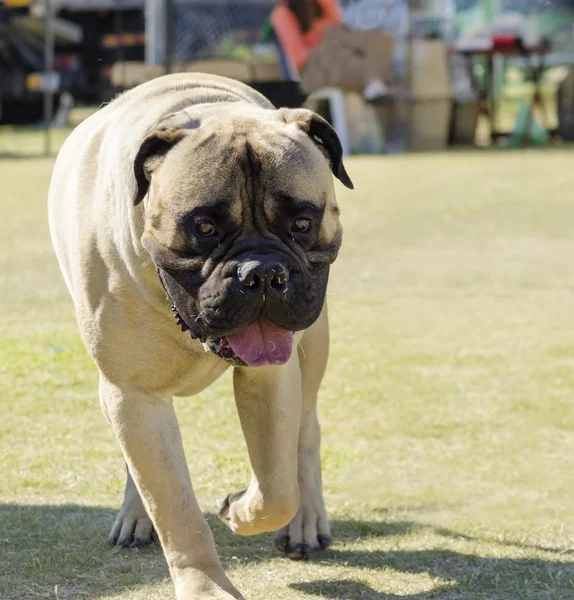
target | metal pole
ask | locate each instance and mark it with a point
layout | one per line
(48, 74)
(168, 34)
(119, 31)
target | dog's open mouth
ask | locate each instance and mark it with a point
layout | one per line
(220, 347)
(261, 343)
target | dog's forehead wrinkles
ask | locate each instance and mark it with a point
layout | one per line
(193, 180)
(251, 167)
(278, 163)
(239, 163)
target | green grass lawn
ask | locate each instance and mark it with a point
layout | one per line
(447, 412)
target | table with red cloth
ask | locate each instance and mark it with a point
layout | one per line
(534, 65)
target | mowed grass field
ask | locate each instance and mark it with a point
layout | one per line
(447, 411)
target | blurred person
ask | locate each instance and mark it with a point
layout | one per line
(299, 27)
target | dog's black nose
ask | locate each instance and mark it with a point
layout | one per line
(258, 274)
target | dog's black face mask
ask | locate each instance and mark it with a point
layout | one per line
(242, 226)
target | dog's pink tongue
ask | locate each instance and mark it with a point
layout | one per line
(262, 343)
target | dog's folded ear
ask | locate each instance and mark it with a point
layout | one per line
(324, 136)
(150, 155)
(163, 136)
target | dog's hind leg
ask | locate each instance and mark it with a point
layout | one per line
(132, 526)
(309, 532)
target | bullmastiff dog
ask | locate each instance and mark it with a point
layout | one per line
(195, 225)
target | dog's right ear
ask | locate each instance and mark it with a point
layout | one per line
(150, 156)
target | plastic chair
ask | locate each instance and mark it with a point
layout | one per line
(334, 96)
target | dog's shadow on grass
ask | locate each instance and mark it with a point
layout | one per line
(455, 575)
(49, 548)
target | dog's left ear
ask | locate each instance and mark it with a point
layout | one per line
(324, 136)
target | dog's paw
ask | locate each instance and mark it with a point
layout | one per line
(132, 527)
(308, 533)
(224, 507)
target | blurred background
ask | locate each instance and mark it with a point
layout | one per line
(390, 75)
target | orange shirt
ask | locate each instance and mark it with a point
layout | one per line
(296, 43)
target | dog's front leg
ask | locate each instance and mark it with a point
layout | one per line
(309, 532)
(269, 405)
(149, 435)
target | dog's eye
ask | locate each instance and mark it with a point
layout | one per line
(301, 225)
(206, 228)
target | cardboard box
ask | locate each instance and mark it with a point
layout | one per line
(128, 74)
(429, 95)
(428, 73)
(428, 123)
(348, 59)
(234, 69)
